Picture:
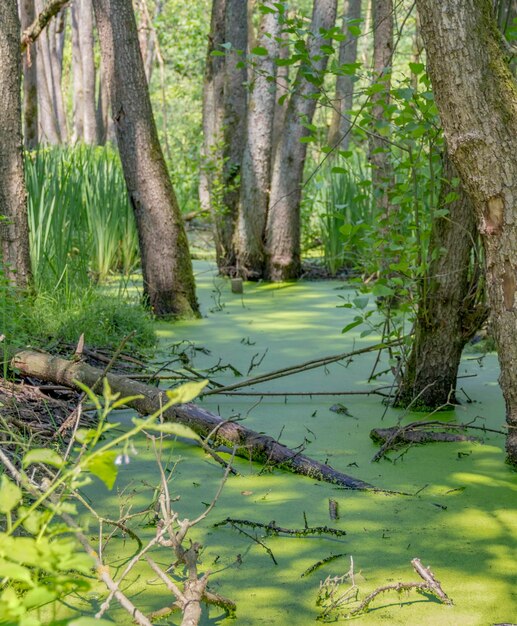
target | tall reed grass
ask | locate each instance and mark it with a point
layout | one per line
(81, 223)
(345, 214)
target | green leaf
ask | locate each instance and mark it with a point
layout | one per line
(361, 302)
(338, 170)
(187, 392)
(37, 597)
(171, 428)
(10, 495)
(103, 466)
(85, 435)
(355, 31)
(34, 521)
(260, 51)
(14, 571)
(348, 327)
(382, 290)
(217, 53)
(43, 455)
(416, 68)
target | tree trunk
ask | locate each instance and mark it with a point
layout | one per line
(167, 269)
(56, 38)
(379, 149)
(77, 69)
(88, 71)
(340, 125)
(477, 99)
(282, 90)
(257, 157)
(451, 307)
(30, 81)
(251, 445)
(224, 120)
(14, 230)
(283, 223)
(49, 124)
(210, 179)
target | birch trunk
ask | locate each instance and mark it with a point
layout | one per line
(30, 81)
(340, 125)
(451, 307)
(14, 231)
(256, 160)
(476, 95)
(283, 223)
(167, 269)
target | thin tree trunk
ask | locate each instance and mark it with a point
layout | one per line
(210, 179)
(451, 307)
(379, 148)
(49, 124)
(283, 223)
(56, 36)
(88, 71)
(167, 269)
(14, 231)
(257, 157)
(77, 69)
(30, 81)
(339, 131)
(477, 99)
(234, 126)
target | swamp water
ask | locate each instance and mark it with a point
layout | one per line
(462, 522)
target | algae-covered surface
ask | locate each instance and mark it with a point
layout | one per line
(462, 520)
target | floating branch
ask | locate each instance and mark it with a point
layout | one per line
(416, 433)
(318, 564)
(273, 529)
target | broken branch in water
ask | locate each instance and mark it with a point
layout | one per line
(249, 444)
(273, 529)
(416, 433)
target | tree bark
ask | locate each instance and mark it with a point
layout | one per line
(30, 81)
(49, 130)
(283, 222)
(234, 135)
(88, 71)
(257, 157)
(249, 444)
(14, 230)
(477, 99)
(340, 125)
(451, 307)
(77, 70)
(167, 269)
(210, 179)
(56, 38)
(379, 149)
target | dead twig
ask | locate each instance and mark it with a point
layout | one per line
(302, 367)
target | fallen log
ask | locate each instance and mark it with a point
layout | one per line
(248, 443)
